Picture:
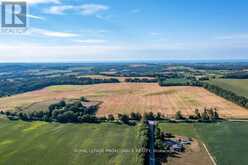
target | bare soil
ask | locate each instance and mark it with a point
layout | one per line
(194, 154)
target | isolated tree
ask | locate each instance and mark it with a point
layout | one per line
(133, 116)
(197, 114)
(158, 116)
(138, 116)
(179, 115)
(216, 115)
(111, 117)
(210, 114)
(83, 99)
(204, 115)
(119, 116)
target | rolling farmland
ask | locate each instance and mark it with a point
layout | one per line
(131, 97)
(226, 141)
(238, 86)
(42, 143)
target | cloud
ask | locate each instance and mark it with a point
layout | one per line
(92, 41)
(34, 1)
(43, 32)
(24, 52)
(85, 9)
(35, 17)
(59, 9)
(91, 9)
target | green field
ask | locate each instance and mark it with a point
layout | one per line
(183, 129)
(227, 141)
(176, 80)
(238, 86)
(40, 143)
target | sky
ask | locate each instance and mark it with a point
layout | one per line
(129, 30)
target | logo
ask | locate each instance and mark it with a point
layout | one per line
(13, 16)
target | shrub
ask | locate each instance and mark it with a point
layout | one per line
(135, 116)
(148, 116)
(124, 118)
(103, 118)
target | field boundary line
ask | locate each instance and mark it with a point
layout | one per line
(211, 157)
(238, 120)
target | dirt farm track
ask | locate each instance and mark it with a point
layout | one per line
(131, 97)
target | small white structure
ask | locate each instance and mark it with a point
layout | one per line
(151, 122)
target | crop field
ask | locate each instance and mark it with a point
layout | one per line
(131, 97)
(40, 143)
(238, 86)
(226, 141)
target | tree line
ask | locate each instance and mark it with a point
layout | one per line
(174, 82)
(207, 115)
(141, 80)
(77, 113)
(9, 87)
(143, 134)
(237, 75)
(136, 116)
(229, 95)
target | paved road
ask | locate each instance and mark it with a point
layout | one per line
(151, 153)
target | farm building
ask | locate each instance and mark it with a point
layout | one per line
(174, 146)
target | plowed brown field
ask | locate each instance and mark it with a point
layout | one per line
(132, 97)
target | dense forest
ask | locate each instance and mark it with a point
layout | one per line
(62, 112)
